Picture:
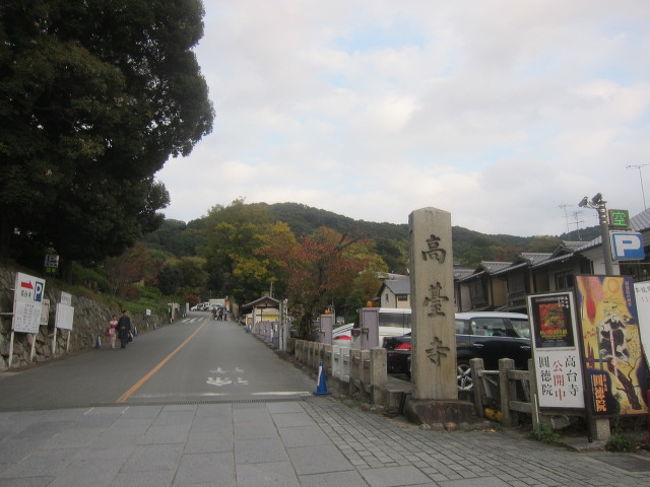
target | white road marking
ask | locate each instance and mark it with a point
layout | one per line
(282, 393)
(238, 370)
(242, 381)
(89, 411)
(172, 396)
(218, 381)
(219, 371)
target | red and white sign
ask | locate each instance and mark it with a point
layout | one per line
(28, 299)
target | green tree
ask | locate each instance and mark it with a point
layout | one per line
(96, 97)
(232, 236)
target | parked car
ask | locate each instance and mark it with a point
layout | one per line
(490, 335)
(342, 335)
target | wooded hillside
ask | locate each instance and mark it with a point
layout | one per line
(390, 239)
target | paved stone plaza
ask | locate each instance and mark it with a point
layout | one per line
(315, 442)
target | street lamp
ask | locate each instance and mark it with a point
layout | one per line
(639, 166)
(598, 204)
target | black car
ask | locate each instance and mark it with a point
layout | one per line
(489, 335)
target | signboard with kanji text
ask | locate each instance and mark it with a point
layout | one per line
(642, 293)
(28, 298)
(558, 367)
(611, 345)
(619, 219)
(64, 312)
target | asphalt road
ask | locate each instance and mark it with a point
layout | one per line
(196, 359)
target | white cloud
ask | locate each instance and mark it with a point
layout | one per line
(497, 111)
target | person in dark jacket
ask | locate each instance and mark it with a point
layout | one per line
(124, 328)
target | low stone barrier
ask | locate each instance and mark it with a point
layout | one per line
(358, 373)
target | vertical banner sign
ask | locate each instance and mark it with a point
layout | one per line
(556, 351)
(28, 298)
(64, 312)
(611, 345)
(45, 312)
(642, 293)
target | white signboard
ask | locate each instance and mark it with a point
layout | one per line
(558, 366)
(28, 299)
(64, 316)
(642, 291)
(45, 312)
(66, 298)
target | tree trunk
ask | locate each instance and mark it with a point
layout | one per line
(65, 270)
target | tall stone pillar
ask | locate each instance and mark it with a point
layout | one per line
(433, 360)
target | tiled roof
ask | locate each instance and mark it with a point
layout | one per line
(462, 272)
(535, 257)
(641, 221)
(558, 258)
(493, 266)
(398, 286)
(505, 270)
(573, 244)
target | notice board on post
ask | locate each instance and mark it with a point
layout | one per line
(611, 345)
(28, 299)
(558, 365)
(642, 293)
(64, 312)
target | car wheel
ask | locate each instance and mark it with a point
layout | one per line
(464, 377)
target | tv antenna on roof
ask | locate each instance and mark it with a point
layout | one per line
(639, 166)
(566, 216)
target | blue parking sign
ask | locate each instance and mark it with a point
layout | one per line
(627, 246)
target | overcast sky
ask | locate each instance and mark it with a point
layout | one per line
(496, 111)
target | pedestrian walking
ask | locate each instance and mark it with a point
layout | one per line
(111, 331)
(124, 328)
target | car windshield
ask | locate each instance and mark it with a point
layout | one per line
(522, 327)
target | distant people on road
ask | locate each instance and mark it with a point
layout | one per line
(112, 330)
(124, 328)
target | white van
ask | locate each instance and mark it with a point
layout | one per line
(392, 322)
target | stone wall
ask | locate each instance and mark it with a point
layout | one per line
(91, 318)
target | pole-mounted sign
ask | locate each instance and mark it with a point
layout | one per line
(627, 246)
(619, 219)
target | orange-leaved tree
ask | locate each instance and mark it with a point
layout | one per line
(322, 268)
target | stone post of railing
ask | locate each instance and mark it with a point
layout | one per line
(378, 374)
(506, 391)
(327, 358)
(534, 401)
(477, 367)
(297, 351)
(355, 370)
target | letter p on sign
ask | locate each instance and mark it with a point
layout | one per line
(627, 246)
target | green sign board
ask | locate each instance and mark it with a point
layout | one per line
(619, 219)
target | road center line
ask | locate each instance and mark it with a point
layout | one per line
(150, 374)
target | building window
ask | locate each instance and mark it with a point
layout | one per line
(402, 297)
(563, 280)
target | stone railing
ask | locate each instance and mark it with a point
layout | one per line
(353, 372)
(507, 390)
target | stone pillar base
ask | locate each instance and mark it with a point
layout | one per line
(435, 411)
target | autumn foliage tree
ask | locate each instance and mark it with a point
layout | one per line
(139, 264)
(321, 270)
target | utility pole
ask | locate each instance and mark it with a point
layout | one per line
(639, 166)
(599, 204)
